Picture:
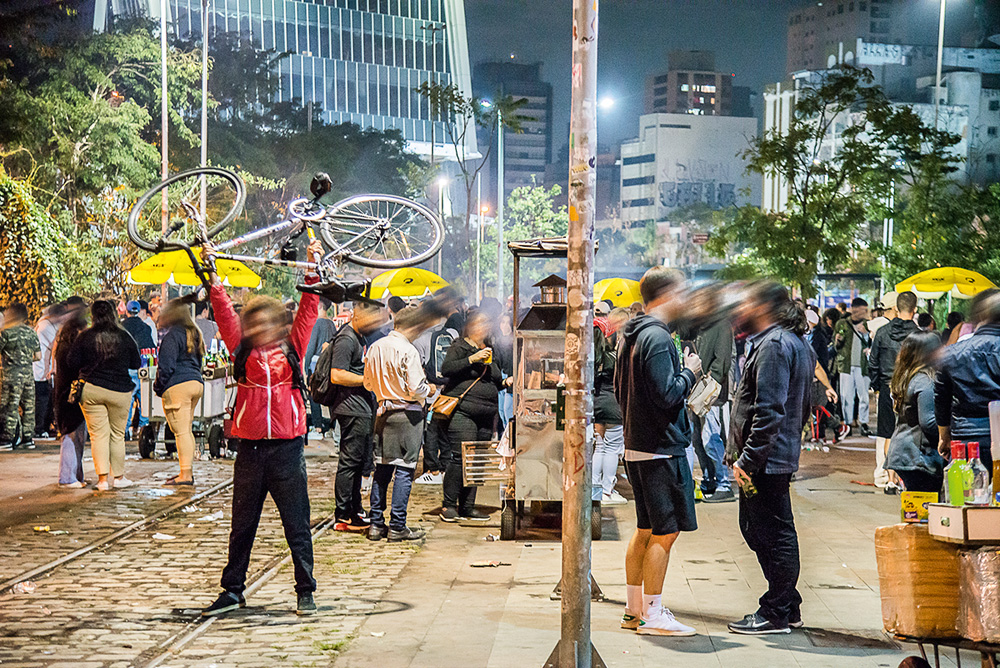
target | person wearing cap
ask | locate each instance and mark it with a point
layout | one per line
(887, 314)
(137, 327)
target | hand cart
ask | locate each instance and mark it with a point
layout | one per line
(987, 651)
(208, 418)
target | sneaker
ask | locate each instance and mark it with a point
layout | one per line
(102, 486)
(425, 479)
(123, 483)
(360, 521)
(72, 485)
(6, 447)
(449, 515)
(27, 444)
(474, 516)
(613, 499)
(405, 534)
(843, 431)
(756, 625)
(377, 533)
(662, 623)
(306, 605)
(630, 621)
(315, 436)
(438, 478)
(227, 602)
(891, 489)
(795, 620)
(865, 431)
(721, 496)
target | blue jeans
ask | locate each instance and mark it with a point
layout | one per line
(607, 451)
(711, 451)
(71, 455)
(505, 400)
(403, 481)
(135, 410)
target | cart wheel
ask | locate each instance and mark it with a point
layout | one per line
(147, 441)
(595, 521)
(216, 441)
(508, 520)
(169, 440)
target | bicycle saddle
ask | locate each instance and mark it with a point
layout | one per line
(338, 293)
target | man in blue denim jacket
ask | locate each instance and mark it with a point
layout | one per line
(772, 404)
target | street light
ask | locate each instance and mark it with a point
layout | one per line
(606, 103)
(486, 104)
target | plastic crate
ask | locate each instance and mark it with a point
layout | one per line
(481, 464)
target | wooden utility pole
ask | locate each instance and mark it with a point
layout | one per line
(575, 649)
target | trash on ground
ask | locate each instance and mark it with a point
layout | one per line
(214, 517)
(190, 509)
(157, 492)
(58, 532)
(162, 536)
(42, 529)
(488, 564)
(26, 587)
(378, 634)
(492, 537)
(162, 475)
(46, 611)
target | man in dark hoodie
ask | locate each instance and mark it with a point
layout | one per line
(652, 386)
(881, 363)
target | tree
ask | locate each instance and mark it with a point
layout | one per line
(834, 193)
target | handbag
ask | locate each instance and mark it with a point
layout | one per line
(76, 391)
(704, 395)
(445, 406)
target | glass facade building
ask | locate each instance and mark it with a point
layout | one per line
(359, 61)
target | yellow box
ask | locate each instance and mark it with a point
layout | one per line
(914, 505)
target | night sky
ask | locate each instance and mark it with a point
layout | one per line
(748, 37)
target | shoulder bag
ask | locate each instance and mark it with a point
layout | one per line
(704, 394)
(444, 406)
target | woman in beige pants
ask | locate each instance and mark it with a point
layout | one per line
(102, 356)
(179, 380)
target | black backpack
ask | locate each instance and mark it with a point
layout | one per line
(322, 391)
(242, 354)
(441, 340)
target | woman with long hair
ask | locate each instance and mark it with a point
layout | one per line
(913, 448)
(472, 373)
(179, 381)
(102, 356)
(70, 425)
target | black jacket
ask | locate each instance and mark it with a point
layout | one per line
(821, 341)
(461, 375)
(652, 387)
(111, 373)
(885, 349)
(715, 347)
(968, 379)
(175, 365)
(140, 331)
(773, 402)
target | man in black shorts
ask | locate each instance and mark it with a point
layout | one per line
(652, 386)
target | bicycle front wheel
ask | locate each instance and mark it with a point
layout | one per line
(382, 231)
(225, 195)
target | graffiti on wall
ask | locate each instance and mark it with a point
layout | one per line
(686, 182)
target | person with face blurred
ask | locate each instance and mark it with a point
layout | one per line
(852, 341)
(269, 418)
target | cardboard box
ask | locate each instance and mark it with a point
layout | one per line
(979, 595)
(913, 505)
(918, 582)
(965, 525)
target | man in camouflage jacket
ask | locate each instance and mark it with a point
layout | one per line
(19, 347)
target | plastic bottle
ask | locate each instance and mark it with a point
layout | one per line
(978, 492)
(954, 475)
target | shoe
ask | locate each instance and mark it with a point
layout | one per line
(449, 515)
(755, 625)
(377, 533)
(890, 489)
(425, 479)
(795, 620)
(865, 431)
(613, 499)
(662, 623)
(474, 516)
(315, 436)
(630, 621)
(360, 521)
(306, 605)
(27, 444)
(174, 482)
(405, 535)
(102, 486)
(227, 602)
(438, 478)
(6, 447)
(843, 431)
(72, 485)
(721, 496)
(124, 483)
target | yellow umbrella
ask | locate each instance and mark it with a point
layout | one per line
(174, 267)
(933, 283)
(622, 292)
(406, 282)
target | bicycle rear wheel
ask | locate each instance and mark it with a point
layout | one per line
(225, 195)
(382, 231)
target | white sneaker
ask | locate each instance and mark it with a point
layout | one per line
(613, 499)
(102, 486)
(425, 479)
(315, 435)
(438, 478)
(662, 623)
(123, 482)
(72, 485)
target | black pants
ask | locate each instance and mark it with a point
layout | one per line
(279, 468)
(922, 481)
(355, 449)
(769, 529)
(469, 422)
(43, 407)
(436, 445)
(316, 419)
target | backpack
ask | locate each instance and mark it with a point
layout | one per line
(242, 354)
(321, 390)
(441, 340)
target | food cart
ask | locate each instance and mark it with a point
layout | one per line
(533, 475)
(208, 418)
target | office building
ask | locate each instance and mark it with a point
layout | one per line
(680, 160)
(358, 61)
(690, 85)
(526, 153)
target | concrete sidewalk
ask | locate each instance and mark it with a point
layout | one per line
(445, 613)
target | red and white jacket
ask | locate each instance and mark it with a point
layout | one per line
(267, 405)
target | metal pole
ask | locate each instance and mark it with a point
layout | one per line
(940, 55)
(442, 217)
(164, 128)
(575, 648)
(500, 291)
(479, 233)
(204, 99)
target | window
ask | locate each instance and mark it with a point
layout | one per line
(994, 105)
(639, 159)
(647, 201)
(991, 131)
(685, 88)
(637, 181)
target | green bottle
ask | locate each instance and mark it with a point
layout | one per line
(955, 475)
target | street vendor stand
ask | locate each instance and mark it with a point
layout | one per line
(208, 418)
(533, 474)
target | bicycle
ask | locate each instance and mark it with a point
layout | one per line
(380, 231)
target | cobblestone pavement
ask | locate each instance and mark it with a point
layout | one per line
(126, 603)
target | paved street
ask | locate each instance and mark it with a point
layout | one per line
(133, 602)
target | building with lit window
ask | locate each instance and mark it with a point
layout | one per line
(357, 61)
(690, 85)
